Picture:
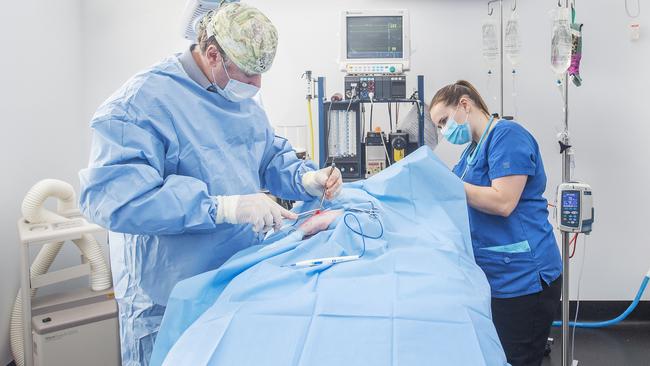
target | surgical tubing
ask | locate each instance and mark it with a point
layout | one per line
(34, 212)
(618, 319)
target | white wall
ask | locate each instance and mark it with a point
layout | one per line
(63, 59)
(43, 134)
(121, 38)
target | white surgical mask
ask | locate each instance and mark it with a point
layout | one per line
(235, 90)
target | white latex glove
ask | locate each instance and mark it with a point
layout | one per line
(317, 181)
(256, 209)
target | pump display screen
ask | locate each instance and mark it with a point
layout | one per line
(570, 215)
(570, 199)
(374, 37)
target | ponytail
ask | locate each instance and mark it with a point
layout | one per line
(451, 95)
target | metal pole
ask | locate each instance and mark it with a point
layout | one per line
(322, 120)
(501, 54)
(566, 176)
(567, 358)
(421, 110)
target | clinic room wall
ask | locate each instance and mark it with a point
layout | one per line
(44, 135)
(124, 36)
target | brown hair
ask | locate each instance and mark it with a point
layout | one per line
(451, 94)
(202, 38)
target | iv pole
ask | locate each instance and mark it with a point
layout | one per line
(567, 359)
(565, 143)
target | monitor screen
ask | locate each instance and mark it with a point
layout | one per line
(374, 37)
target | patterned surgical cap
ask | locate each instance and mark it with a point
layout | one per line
(246, 35)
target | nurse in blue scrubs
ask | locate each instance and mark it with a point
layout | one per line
(513, 241)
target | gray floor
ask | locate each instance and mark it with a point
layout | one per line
(627, 344)
(622, 345)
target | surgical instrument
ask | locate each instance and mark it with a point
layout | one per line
(319, 261)
(308, 213)
(322, 197)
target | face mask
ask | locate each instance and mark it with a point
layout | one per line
(235, 90)
(456, 133)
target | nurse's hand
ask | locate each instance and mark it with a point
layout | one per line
(256, 209)
(317, 181)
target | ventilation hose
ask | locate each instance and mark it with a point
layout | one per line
(34, 213)
(618, 319)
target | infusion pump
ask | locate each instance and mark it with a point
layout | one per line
(574, 208)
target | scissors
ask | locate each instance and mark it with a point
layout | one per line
(309, 213)
(303, 215)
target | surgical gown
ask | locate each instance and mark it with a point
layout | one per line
(162, 146)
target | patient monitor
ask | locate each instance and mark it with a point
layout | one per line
(375, 41)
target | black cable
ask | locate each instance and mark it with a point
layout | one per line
(363, 125)
(390, 117)
(396, 115)
(371, 108)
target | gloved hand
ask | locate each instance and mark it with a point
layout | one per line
(317, 181)
(256, 209)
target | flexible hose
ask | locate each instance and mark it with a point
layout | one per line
(618, 319)
(311, 129)
(100, 272)
(32, 208)
(40, 266)
(34, 212)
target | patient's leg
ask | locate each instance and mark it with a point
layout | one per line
(319, 222)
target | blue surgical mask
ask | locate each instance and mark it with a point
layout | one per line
(235, 90)
(456, 133)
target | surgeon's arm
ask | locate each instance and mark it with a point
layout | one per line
(281, 171)
(499, 199)
(123, 188)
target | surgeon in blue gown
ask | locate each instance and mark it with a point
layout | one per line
(179, 156)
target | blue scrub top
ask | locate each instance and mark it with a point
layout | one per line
(516, 252)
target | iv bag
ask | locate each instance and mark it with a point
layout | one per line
(490, 42)
(561, 43)
(512, 42)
